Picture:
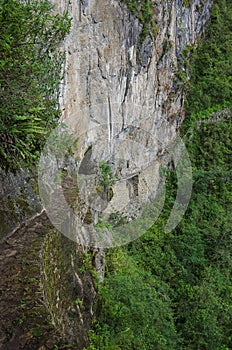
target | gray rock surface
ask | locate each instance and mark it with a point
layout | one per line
(110, 77)
(122, 101)
(122, 97)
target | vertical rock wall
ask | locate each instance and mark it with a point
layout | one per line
(120, 87)
(113, 78)
(68, 288)
(109, 72)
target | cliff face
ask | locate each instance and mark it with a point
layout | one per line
(122, 97)
(113, 78)
(107, 66)
(115, 82)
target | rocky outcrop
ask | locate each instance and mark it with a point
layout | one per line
(120, 88)
(117, 88)
(109, 72)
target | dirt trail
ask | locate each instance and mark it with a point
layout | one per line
(24, 320)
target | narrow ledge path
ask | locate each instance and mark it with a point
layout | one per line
(24, 320)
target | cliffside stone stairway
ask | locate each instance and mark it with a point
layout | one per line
(24, 320)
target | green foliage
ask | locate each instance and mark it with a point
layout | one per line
(181, 76)
(187, 3)
(210, 69)
(30, 73)
(103, 224)
(173, 290)
(62, 142)
(116, 219)
(107, 178)
(135, 313)
(144, 11)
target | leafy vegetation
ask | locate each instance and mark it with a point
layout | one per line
(173, 290)
(144, 11)
(210, 65)
(107, 177)
(107, 180)
(30, 73)
(187, 3)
